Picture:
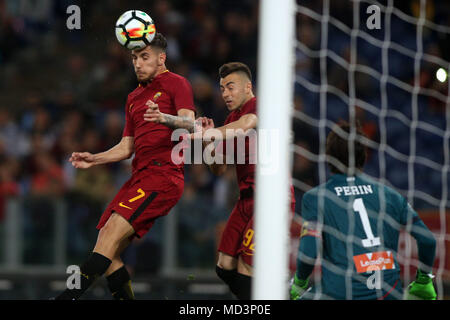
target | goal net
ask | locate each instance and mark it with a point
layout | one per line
(383, 64)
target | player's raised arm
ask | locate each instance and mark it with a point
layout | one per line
(122, 150)
(233, 129)
(184, 120)
(205, 124)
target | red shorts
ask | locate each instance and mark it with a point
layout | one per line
(238, 236)
(147, 195)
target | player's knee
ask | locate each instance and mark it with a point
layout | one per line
(239, 284)
(225, 275)
(107, 234)
(116, 229)
(107, 242)
(244, 268)
(226, 261)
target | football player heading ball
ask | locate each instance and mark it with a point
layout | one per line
(163, 101)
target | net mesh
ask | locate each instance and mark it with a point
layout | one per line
(385, 79)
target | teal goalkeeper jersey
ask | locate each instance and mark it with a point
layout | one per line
(358, 221)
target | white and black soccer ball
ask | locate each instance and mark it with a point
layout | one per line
(135, 29)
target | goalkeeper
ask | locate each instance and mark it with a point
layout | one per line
(354, 222)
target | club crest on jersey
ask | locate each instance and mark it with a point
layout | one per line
(156, 96)
(129, 108)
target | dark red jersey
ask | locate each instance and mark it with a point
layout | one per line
(152, 141)
(245, 171)
(237, 238)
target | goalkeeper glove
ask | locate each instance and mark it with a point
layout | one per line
(422, 288)
(298, 287)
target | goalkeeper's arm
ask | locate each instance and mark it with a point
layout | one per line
(426, 244)
(307, 255)
(422, 287)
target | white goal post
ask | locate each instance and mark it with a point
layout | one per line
(275, 83)
(339, 47)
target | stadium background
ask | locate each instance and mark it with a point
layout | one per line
(64, 90)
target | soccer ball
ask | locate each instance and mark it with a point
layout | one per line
(135, 29)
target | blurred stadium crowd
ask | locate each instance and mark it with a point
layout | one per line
(391, 111)
(64, 90)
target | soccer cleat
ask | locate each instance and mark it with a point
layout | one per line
(422, 288)
(298, 287)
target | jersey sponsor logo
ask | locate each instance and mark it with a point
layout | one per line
(353, 190)
(372, 261)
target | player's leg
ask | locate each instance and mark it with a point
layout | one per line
(116, 262)
(154, 196)
(112, 234)
(226, 261)
(237, 274)
(226, 269)
(117, 276)
(243, 278)
(244, 268)
(236, 236)
(110, 237)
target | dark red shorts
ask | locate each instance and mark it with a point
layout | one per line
(147, 195)
(238, 236)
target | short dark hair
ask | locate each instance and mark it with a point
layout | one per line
(231, 67)
(159, 41)
(337, 147)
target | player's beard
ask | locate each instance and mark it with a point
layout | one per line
(235, 104)
(145, 78)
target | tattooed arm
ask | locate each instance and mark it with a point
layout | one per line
(184, 120)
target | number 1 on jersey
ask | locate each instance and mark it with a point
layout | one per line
(371, 241)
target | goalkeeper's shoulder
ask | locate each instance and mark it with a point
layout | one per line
(311, 196)
(313, 193)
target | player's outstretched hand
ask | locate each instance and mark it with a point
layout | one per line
(206, 123)
(152, 114)
(201, 125)
(82, 160)
(298, 287)
(209, 124)
(422, 288)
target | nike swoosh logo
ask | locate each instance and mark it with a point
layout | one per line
(124, 206)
